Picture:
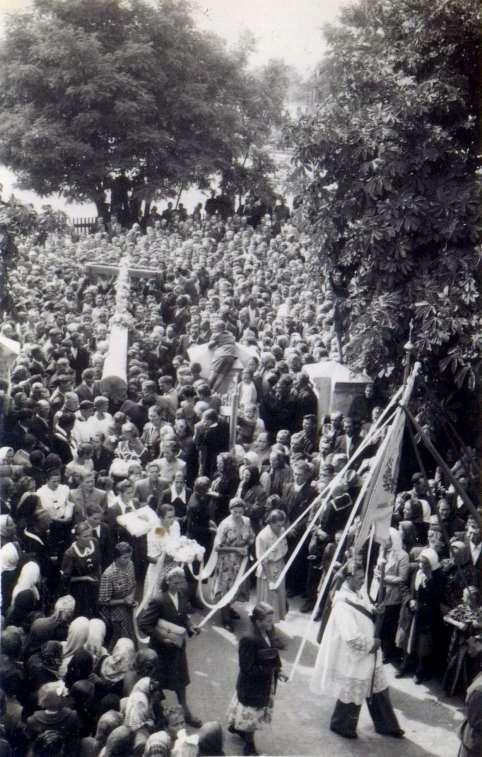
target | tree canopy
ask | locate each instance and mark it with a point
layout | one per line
(90, 88)
(390, 163)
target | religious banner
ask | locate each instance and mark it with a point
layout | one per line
(380, 498)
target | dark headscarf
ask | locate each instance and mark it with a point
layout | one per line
(21, 612)
(79, 668)
(210, 740)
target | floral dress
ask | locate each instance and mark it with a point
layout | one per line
(231, 534)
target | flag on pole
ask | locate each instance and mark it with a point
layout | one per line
(380, 497)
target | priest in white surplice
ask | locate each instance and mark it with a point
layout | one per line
(349, 664)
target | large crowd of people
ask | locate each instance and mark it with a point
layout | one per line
(96, 615)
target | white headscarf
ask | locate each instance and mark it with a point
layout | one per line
(116, 665)
(4, 452)
(76, 639)
(28, 579)
(432, 557)
(96, 637)
(137, 709)
(9, 557)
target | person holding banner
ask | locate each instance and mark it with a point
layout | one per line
(233, 539)
(349, 666)
(269, 568)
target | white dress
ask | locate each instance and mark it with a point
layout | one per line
(159, 541)
(344, 667)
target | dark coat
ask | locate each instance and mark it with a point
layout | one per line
(102, 459)
(173, 668)
(180, 507)
(197, 520)
(79, 362)
(256, 674)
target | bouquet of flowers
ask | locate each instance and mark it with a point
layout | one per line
(185, 550)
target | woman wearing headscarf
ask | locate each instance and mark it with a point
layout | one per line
(158, 745)
(92, 745)
(9, 571)
(271, 566)
(41, 668)
(224, 485)
(420, 616)
(23, 610)
(253, 496)
(278, 475)
(28, 580)
(95, 639)
(251, 708)
(81, 570)
(76, 639)
(119, 742)
(114, 667)
(233, 540)
(210, 740)
(394, 564)
(82, 695)
(54, 627)
(80, 667)
(138, 713)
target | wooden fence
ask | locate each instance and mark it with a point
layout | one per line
(85, 225)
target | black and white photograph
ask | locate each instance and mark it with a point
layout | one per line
(240, 352)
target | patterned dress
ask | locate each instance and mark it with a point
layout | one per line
(231, 534)
(117, 583)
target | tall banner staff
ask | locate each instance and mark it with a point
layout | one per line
(376, 496)
(203, 574)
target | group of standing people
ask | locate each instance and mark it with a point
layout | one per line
(123, 517)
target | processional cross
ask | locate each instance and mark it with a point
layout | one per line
(114, 373)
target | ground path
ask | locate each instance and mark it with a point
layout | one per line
(300, 725)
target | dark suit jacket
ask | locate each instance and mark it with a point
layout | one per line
(180, 508)
(341, 444)
(143, 489)
(85, 392)
(173, 669)
(294, 502)
(79, 363)
(259, 664)
(102, 460)
(41, 430)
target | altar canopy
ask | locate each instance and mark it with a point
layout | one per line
(335, 385)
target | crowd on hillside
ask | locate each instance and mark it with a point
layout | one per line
(92, 608)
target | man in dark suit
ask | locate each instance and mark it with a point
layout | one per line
(101, 457)
(86, 389)
(151, 485)
(349, 440)
(104, 536)
(297, 496)
(78, 357)
(211, 436)
(39, 425)
(173, 665)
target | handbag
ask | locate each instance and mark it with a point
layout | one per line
(172, 632)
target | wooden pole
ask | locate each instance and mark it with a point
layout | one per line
(439, 459)
(431, 498)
